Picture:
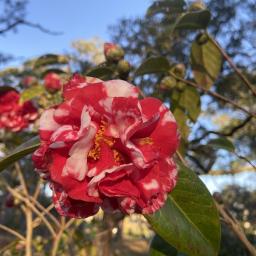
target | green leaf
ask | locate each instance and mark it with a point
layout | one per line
(181, 119)
(193, 20)
(21, 151)
(190, 100)
(103, 73)
(169, 6)
(160, 247)
(50, 59)
(153, 65)
(222, 143)
(9, 72)
(32, 92)
(53, 70)
(6, 88)
(189, 220)
(206, 61)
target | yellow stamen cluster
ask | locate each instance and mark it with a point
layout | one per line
(94, 153)
(145, 141)
(117, 156)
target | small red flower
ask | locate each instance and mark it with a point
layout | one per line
(52, 82)
(103, 147)
(28, 81)
(13, 115)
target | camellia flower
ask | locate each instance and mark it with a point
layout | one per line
(15, 116)
(52, 82)
(104, 147)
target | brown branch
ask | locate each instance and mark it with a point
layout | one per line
(236, 228)
(57, 238)
(38, 220)
(43, 209)
(30, 205)
(21, 178)
(29, 229)
(29, 24)
(13, 232)
(226, 134)
(214, 94)
(229, 172)
(233, 65)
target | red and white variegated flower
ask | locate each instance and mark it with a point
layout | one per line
(15, 116)
(104, 147)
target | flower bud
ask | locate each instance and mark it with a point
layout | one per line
(9, 201)
(52, 82)
(123, 67)
(168, 82)
(28, 81)
(179, 70)
(202, 38)
(197, 6)
(113, 52)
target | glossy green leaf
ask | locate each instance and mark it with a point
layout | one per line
(50, 59)
(153, 65)
(190, 100)
(103, 73)
(193, 20)
(222, 143)
(189, 220)
(21, 151)
(9, 72)
(32, 92)
(206, 62)
(6, 88)
(167, 6)
(160, 247)
(181, 118)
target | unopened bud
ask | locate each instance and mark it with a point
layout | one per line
(28, 81)
(52, 82)
(9, 201)
(179, 70)
(113, 52)
(168, 82)
(202, 38)
(123, 67)
(197, 6)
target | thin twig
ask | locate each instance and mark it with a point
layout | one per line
(233, 65)
(43, 209)
(57, 238)
(13, 232)
(236, 228)
(29, 24)
(214, 94)
(226, 133)
(38, 220)
(29, 229)
(37, 190)
(29, 204)
(21, 177)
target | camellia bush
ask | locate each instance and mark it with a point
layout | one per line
(101, 141)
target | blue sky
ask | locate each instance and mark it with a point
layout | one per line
(77, 19)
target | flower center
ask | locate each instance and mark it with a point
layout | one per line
(100, 138)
